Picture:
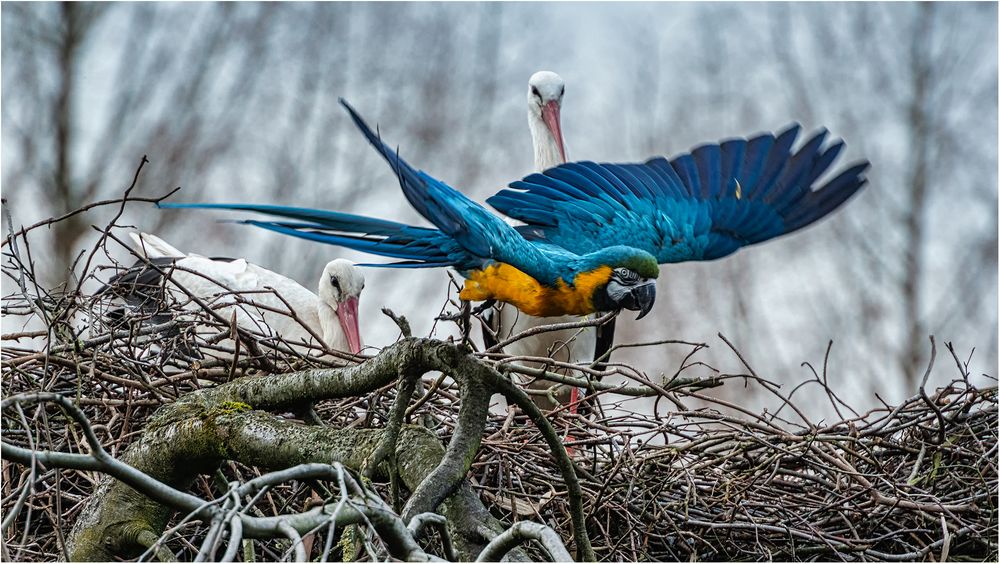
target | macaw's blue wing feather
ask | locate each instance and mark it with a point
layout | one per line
(700, 205)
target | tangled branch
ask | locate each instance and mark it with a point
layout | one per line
(707, 479)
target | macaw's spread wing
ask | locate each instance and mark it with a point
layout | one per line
(700, 205)
(480, 233)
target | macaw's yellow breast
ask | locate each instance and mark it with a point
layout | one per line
(505, 283)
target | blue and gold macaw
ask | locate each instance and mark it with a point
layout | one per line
(594, 234)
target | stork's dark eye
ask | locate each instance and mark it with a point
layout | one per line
(562, 91)
(534, 91)
(335, 282)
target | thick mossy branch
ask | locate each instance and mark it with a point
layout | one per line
(285, 391)
(205, 428)
(111, 523)
(464, 443)
(404, 392)
(523, 531)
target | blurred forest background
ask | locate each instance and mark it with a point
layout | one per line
(238, 102)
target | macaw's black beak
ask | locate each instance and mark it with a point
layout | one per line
(640, 298)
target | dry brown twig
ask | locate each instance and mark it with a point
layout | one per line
(912, 481)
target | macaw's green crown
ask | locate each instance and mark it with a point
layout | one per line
(637, 260)
(643, 264)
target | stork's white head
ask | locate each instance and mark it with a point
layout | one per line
(545, 94)
(340, 287)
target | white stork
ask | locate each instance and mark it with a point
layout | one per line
(545, 95)
(333, 314)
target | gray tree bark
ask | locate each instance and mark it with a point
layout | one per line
(205, 428)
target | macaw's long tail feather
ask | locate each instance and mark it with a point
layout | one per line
(418, 246)
(342, 221)
(410, 247)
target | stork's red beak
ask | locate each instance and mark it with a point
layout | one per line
(550, 115)
(347, 312)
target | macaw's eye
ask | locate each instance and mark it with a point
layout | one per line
(626, 275)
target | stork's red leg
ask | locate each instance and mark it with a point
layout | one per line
(574, 397)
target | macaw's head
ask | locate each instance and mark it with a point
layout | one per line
(632, 283)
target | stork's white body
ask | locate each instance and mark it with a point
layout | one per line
(218, 281)
(569, 345)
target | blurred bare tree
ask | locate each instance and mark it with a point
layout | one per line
(911, 88)
(927, 260)
(239, 102)
(65, 148)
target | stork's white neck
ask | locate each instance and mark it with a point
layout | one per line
(545, 146)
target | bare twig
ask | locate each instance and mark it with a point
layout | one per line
(927, 400)
(523, 531)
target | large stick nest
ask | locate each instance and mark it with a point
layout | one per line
(696, 478)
